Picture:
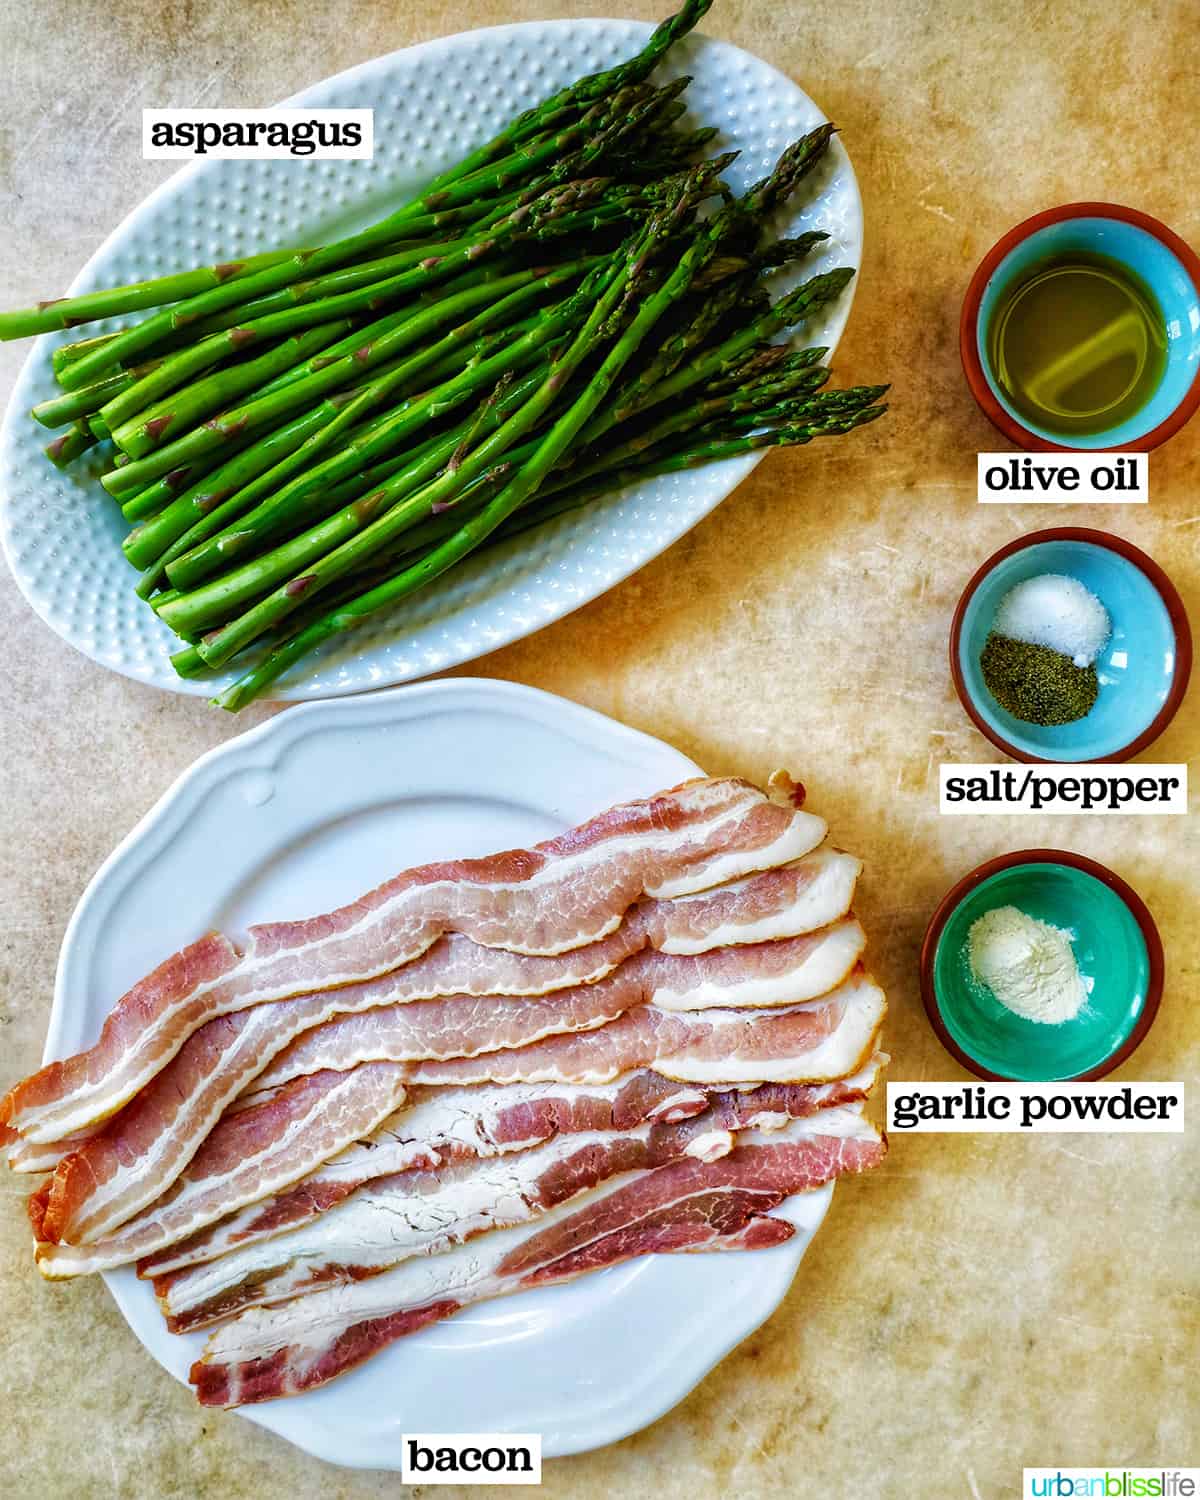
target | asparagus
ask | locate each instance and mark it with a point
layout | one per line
(76, 440)
(181, 410)
(797, 161)
(187, 408)
(205, 605)
(66, 354)
(281, 508)
(437, 197)
(287, 499)
(155, 574)
(196, 517)
(60, 410)
(225, 642)
(316, 380)
(791, 309)
(577, 95)
(558, 107)
(364, 535)
(750, 405)
(69, 312)
(317, 628)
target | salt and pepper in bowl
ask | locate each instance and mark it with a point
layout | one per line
(1070, 645)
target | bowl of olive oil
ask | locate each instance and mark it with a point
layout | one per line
(1081, 330)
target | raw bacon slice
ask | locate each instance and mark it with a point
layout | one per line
(439, 1126)
(811, 1043)
(36, 1156)
(686, 1205)
(786, 902)
(253, 1153)
(142, 1151)
(782, 973)
(562, 894)
(815, 1043)
(424, 1212)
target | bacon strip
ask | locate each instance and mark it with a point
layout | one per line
(250, 1154)
(562, 894)
(423, 1212)
(686, 1205)
(139, 1155)
(782, 973)
(186, 1100)
(812, 1043)
(442, 1125)
(818, 1042)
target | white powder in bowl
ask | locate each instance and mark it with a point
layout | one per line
(1028, 965)
(1056, 611)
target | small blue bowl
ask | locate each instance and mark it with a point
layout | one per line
(1115, 942)
(1160, 260)
(1143, 669)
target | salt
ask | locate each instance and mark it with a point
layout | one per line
(1056, 611)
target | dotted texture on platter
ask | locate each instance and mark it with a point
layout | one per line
(433, 103)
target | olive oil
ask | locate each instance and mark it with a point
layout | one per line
(1078, 344)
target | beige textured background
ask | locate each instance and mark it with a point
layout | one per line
(981, 1303)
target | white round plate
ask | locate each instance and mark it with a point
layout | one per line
(433, 103)
(306, 812)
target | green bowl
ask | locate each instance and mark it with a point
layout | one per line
(1115, 942)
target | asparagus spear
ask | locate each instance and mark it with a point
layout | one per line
(260, 411)
(60, 410)
(66, 354)
(224, 643)
(203, 516)
(282, 507)
(69, 312)
(76, 440)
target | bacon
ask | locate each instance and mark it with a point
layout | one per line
(686, 1205)
(423, 1212)
(63, 1097)
(189, 1094)
(35, 1156)
(562, 894)
(811, 1043)
(814, 1043)
(137, 1157)
(438, 1126)
(251, 1154)
(443, 1125)
(781, 973)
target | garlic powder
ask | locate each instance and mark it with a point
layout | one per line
(1028, 965)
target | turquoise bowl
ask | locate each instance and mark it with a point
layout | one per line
(1116, 945)
(1143, 670)
(1160, 260)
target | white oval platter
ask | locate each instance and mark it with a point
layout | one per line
(433, 103)
(305, 812)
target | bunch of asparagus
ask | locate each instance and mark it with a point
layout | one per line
(305, 437)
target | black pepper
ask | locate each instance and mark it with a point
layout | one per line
(1036, 684)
